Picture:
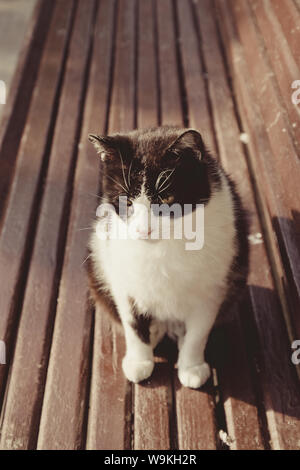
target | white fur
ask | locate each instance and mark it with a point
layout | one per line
(173, 285)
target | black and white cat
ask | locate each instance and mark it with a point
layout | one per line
(156, 285)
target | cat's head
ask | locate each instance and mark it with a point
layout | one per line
(165, 165)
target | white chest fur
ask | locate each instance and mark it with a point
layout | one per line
(162, 276)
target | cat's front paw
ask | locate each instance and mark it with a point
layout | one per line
(194, 377)
(136, 371)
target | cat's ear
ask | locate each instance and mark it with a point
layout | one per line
(189, 139)
(104, 145)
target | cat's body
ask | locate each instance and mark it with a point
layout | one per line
(158, 285)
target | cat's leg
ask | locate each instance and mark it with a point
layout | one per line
(158, 329)
(193, 371)
(138, 362)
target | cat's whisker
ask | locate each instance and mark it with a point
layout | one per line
(116, 182)
(86, 259)
(129, 173)
(161, 174)
(123, 171)
(159, 178)
(84, 228)
(211, 270)
(94, 195)
(162, 186)
(98, 197)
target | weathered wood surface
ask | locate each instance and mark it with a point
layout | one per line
(20, 216)
(152, 400)
(223, 67)
(110, 426)
(14, 113)
(42, 281)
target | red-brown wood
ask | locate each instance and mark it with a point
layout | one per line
(193, 408)
(289, 16)
(122, 108)
(64, 411)
(110, 421)
(63, 386)
(282, 198)
(277, 375)
(147, 90)
(26, 386)
(152, 399)
(195, 75)
(258, 141)
(18, 101)
(171, 112)
(279, 39)
(16, 235)
(153, 406)
(234, 374)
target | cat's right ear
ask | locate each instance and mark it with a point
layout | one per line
(103, 145)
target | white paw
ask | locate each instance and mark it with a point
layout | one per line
(136, 371)
(194, 377)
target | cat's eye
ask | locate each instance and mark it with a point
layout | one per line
(124, 206)
(130, 209)
(168, 200)
(123, 199)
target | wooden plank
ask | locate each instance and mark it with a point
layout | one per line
(19, 221)
(147, 86)
(195, 76)
(259, 144)
(192, 407)
(195, 408)
(281, 192)
(152, 398)
(195, 417)
(122, 110)
(235, 374)
(110, 419)
(196, 429)
(280, 388)
(63, 419)
(24, 399)
(278, 42)
(151, 410)
(237, 384)
(289, 16)
(171, 112)
(20, 93)
(279, 196)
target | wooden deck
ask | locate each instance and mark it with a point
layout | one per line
(224, 67)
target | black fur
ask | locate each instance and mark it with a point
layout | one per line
(141, 323)
(238, 273)
(196, 176)
(149, 152)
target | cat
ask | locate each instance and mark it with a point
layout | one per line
(152, 284)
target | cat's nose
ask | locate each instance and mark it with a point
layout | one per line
(143, 232)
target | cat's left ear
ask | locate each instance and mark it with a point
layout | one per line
(189, 139)
(103, 145)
